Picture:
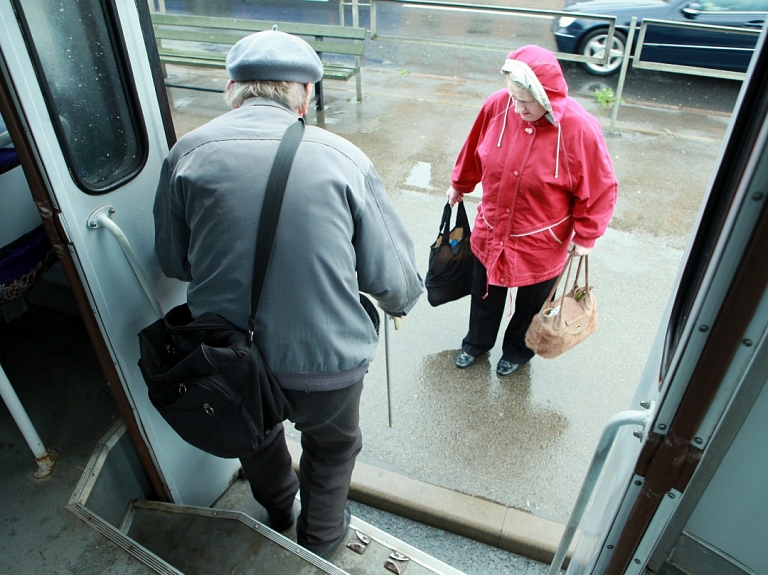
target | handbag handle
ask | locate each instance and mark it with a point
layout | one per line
(270, 212)
(461, 220)
(567, 273)
(582, 260)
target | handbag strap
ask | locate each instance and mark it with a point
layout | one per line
(582, 260)
(567, 273)
(461, 216)
(270, 212)
(462, 221)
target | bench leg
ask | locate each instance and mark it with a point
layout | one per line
(319, 96)
(359, 86)
(359, 80)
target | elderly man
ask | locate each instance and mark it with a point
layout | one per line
(338, 234)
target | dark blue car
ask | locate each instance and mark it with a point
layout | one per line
(721, 50)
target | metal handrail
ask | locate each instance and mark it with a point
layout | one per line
(638, 62)
(635, 60)
(488, 9)
(100, 218)
(610, 431)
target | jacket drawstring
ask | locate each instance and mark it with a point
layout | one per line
(559, 136)
(557, 154)
(488, 274)
(504, 126)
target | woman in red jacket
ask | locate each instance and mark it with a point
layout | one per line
(548, 188)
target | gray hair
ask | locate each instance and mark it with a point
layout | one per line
(292, 93)
(516, 87)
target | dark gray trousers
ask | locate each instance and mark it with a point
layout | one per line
(330, 441)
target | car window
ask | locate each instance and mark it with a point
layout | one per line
(735, 6)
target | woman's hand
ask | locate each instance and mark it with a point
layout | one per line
(454, 196)
(578, 250)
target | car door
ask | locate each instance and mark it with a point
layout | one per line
(84, 103)
(715, 48)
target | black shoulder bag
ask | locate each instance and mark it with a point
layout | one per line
(206, 376)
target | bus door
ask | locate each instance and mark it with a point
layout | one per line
(84, 104)
(686, 493)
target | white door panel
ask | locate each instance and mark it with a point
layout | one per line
(119, 305)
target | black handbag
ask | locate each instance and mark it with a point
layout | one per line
(205, 376)
(451, 260)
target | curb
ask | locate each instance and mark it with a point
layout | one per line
(482, 520)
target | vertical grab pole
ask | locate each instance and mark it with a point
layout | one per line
(45, 458)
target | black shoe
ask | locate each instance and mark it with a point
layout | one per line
(463, 359)
(282, 522)
(505, 368)
(342, 538)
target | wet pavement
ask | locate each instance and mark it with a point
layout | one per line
(524, 441)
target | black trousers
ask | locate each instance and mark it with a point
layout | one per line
(485, 317)
(330, 441)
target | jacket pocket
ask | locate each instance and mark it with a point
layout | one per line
(554, 234)
(562, 231)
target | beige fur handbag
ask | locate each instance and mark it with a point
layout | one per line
(567, 320)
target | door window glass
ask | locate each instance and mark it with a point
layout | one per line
(82, 69)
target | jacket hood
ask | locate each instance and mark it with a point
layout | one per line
(537, 70)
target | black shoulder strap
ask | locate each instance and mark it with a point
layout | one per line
(270, 211)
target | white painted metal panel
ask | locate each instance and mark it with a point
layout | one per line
(118, 302)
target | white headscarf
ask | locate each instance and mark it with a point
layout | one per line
(521, 74)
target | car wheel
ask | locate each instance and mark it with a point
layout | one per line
(594, 45)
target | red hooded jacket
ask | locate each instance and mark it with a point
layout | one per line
(543, 182)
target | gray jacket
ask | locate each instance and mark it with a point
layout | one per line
(338, 234)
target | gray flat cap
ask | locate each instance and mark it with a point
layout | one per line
(274, 56)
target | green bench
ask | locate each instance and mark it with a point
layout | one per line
(203, 41)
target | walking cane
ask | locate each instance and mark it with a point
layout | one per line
(396, 320)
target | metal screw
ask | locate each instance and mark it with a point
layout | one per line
(638, 433)
(757, 196)
(638, 482)
(747, 342)
(698, 440)
(609, 547)
(703, 328)
(662, 426)
(637, 561)
(93, 224)
(112, 210)
(671, 495)
(645, 404)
